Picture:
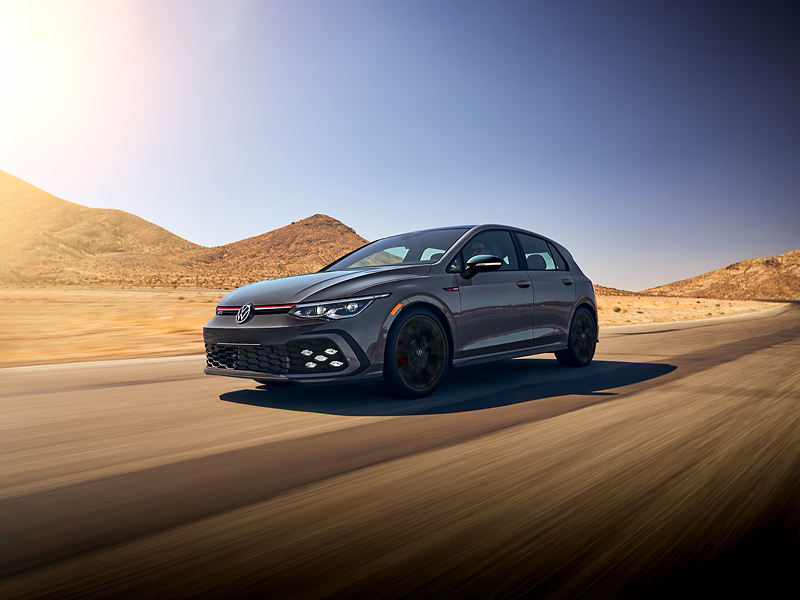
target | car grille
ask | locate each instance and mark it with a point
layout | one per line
(318, 355)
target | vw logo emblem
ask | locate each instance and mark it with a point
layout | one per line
(244, 313)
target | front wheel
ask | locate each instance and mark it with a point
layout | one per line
(582, 340)
(416, 355)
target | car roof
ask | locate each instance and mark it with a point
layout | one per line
(468, 228)
(473, 229)
(485, 226)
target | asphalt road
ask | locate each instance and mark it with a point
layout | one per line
(672, 463)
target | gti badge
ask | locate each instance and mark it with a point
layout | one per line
(244, 313)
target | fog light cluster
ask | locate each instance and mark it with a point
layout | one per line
(315, 355)
(321, 358)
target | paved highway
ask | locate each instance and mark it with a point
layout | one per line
(671, 463)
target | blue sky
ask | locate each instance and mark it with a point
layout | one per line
(656, 141)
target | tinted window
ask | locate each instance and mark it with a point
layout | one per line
(420, 247)
(561, 264)
(432, 254)
(497, 243)
(538, 254)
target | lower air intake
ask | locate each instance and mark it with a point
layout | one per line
(318, 355)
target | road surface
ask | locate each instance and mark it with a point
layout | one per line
(671, 463)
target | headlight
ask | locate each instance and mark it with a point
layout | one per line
(335, 309)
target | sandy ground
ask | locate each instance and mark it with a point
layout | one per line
(59, 325)
(40, 326)
(621, 310)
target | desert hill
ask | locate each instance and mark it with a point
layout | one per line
(601, 290)
(37, 227)
(301, 247)
(45, 240)
(777, 277)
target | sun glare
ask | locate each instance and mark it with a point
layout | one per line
(42, 67)
(60, 68)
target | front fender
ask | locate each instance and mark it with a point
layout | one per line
(448, 306)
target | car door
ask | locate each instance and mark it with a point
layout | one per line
(553, 290)
(496, 307)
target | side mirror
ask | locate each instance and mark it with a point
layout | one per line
(481, 264)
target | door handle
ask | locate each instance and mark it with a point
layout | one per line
(566, 281)
(524, 284)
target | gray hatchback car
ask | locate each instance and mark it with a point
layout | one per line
(403, 309)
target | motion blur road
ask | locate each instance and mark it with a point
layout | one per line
(671, 463)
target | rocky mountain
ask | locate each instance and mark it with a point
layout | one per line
(777, 278)
(45, 240)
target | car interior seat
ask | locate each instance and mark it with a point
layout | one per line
(536, 262)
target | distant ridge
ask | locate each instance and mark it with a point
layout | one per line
(776, 277)
(609, 291)
(45, 240)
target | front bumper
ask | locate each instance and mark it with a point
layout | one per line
(283, 354)
(245, 374)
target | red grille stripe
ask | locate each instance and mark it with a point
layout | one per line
(275, 306)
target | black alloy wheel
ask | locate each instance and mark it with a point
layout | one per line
(416, 355)
(582, 340)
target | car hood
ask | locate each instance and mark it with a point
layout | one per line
(318, 286)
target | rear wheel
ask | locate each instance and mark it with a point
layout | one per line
(416, 355)
(582, 340)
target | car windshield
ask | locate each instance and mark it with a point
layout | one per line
(417, 248)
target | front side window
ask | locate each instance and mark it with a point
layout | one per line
(539, 255)
(496, 243)
(420, 247)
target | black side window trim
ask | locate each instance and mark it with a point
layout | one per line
(523, 262)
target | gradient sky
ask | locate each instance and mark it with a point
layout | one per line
(656, 141)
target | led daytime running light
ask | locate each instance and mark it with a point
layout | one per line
(334, 309)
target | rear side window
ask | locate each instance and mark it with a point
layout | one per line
(561, 264)
(539, 255)
(496, 242)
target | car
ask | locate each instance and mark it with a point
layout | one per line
(403, 309)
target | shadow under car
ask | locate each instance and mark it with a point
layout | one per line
(473, 388)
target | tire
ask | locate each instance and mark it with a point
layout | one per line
(582, 340)
(416, 356)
